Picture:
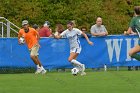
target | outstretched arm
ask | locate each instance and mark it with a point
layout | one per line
(89, 42)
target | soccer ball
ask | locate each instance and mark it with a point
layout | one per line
(21, 40)
(74, 71)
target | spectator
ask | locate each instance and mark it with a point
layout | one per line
(59, 29)
(36, 27)
(45, 31)
(98, 29)
(84, 29)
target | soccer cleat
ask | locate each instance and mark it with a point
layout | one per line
(83, 67)
(43, 71)
(38, 71)
(83, 73)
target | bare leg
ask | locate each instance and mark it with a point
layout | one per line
(38, 61)
(72, 59)
(34, 59)
(40, 65)
(133, 52)
(72, 56)
(40, 68)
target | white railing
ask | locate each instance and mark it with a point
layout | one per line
(9, 27)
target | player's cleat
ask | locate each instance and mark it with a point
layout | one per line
(38, 71)
(83, 73)
(83, 67)
(43, 71)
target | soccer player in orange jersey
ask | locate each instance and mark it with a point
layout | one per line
(31, 37)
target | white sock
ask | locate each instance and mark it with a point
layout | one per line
(77, 64)
(42, 67)
(37, 66)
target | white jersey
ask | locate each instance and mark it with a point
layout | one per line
(73, 37)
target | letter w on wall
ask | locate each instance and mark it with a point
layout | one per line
(114, 45)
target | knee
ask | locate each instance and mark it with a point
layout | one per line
(32, 56)
(70, 59)
(130, 53)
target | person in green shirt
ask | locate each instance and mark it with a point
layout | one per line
(135, 27)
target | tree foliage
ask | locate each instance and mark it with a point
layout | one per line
(116, 14)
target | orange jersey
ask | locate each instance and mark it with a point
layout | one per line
(31, 37)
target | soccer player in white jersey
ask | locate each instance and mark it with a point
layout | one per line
(75, 47)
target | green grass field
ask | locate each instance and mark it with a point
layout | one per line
(64, 82)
